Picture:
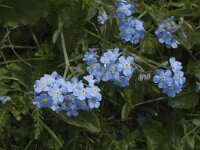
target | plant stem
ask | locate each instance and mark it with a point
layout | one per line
(67, 65)
(18, 47)
(18, 56)
(150, 101)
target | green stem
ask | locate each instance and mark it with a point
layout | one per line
(144, 13)
(67, 65)
(150, 101)
(18, 56)
(19, 60)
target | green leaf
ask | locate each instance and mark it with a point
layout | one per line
(22, 11)
(184, 101)
(86, 120)
(125, 110)
(156, 136)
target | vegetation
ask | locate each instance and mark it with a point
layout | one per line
(33, 36)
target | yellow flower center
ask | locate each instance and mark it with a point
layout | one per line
(164, 36)
(43, 84)
(123, 9)
(126, 31)
(44, 100)
(126, 65)
(112, 68)
(57, 92)
(163, 78)
(83, 92)
(104, 72)
(171, 88)
(93, 65)
(94, 89)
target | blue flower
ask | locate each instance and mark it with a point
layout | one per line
(138, 24)
(93, 67)
(175, 65)
(72, 85)
(112, 70)
(62, 95)
(165, 31)
(93, 92)
(114, 54)
(71, 112)
(50, 79)
(110, 56)
(5, 99)
(104, 74)
(122, 81)
(43, 100)
(120, 2)
(102, 17)
(173, 43)
(179, 78)
(80, 92)
(90, 79)
(63, 84)
(124, 10)
(126, 32)
(112, 67)
(163, 78)
(94, 102)
(90, 56)
(132, 30)
(57, 94)
(170, 81)
(54, 75)
(125, 65)
(42, 85)
(171, 91)
(136, 38)
(82, 105)
(163, 36)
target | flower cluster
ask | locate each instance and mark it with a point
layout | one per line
(112, 66)
(131, 29)
(102, 17)
(165, 32)
(55, 92)
(170, 80)
(5, 99)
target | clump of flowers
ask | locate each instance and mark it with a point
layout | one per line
(131, 29)
(170, 80)
(111, 66)
(102, 17)
(165, 31)
(5, 99)
(56, 93)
